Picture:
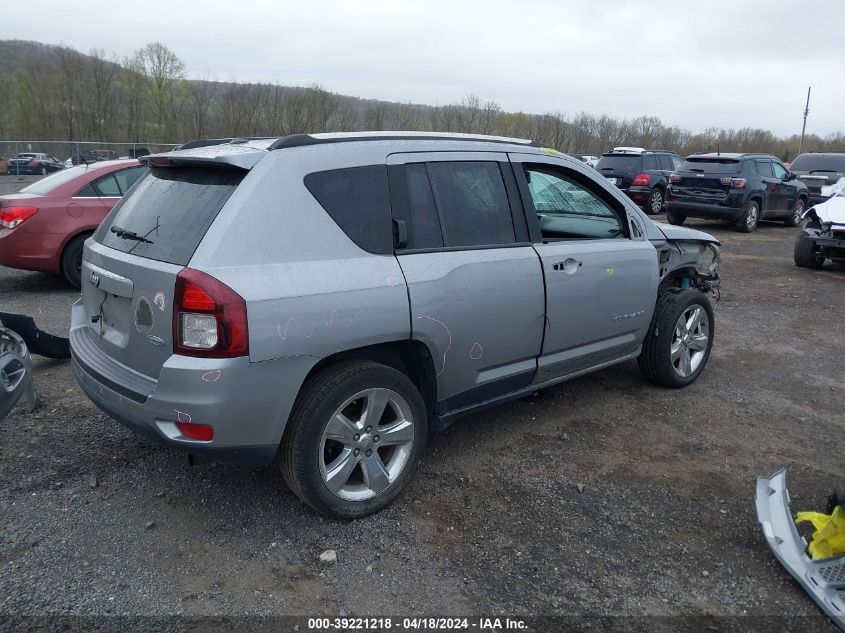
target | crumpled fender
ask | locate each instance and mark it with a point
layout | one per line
(829, 212)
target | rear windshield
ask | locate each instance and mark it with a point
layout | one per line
(46, 185)
(27, 156)
(168, 213)
(710, 165)
(820, 163)
(619, 162)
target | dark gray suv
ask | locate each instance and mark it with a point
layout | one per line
(328, 300)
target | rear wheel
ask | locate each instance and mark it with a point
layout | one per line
(675, 218)
(797, 211)
(679, 339)
(71, 263)
(355, 437)
(748, 222)
(806, 254)
(654, 206)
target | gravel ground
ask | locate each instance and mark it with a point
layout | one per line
(602, 496)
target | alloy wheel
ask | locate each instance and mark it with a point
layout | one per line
(656, 202)
(689, 340)
(366, 444)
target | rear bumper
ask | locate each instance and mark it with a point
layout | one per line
(704, 210)
(248, 404)
(30, 251)
(638, 194)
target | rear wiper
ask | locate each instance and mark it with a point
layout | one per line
(129, 235)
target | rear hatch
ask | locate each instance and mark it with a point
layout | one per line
(818, 170)
(705, 179)
(129, 269)
(22, 160)
(620, 169)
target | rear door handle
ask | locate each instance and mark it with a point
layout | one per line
(569, 265)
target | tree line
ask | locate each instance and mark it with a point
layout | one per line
(59, 93)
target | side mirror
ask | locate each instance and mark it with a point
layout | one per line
(791, 175)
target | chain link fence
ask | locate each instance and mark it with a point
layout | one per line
(70, 152)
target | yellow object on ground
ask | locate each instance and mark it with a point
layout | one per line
(829, 537)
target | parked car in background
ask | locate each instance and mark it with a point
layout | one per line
(642, 174)
(587, 158)
(324, 301)
(44, 225)
(817, 170)
(138, 152)
(34, 163)
(823, 234)
(743, 188)
(91, 156)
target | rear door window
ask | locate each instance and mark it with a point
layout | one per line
(764, 168)
(666, 162)
(473, 203)
(169, 213)
(358, 200)
(128, 177)
(107, 187)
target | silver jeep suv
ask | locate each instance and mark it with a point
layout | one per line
(328, 300)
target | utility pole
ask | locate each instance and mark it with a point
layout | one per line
(804, 127)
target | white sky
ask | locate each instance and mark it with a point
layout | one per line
(725, 63)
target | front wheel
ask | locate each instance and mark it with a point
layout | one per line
(806, 253)
(678, 342)
(354, 439)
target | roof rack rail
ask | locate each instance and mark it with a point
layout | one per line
(237, 140)
(301, 140)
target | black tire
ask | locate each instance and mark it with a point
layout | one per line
(675, 218)
(655, 360)
(300, 457)
(71, 263)
(797, 211)
(805, 253)
(749, 220)
(655, 199)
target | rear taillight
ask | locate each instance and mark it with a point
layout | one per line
(10, 217)
(734, 183)
(209, 318)
(641, 180)
(674, 178)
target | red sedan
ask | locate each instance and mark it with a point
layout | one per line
(44, 226)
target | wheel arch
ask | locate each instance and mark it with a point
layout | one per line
(411, 357)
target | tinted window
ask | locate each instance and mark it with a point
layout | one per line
(172, 208)
(424, 224)
(650, 162)
(358, 200)
(780, 171)
(676, 162)
(819, 162)
(127, 177)
(86, 192)
(473, 204)
(666, 162)
(107, 187)
(567, 209)
(711, 165)
(764, 168)
(620, 163)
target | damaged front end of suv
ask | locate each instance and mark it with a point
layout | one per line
(822, 234)
(688, 259)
